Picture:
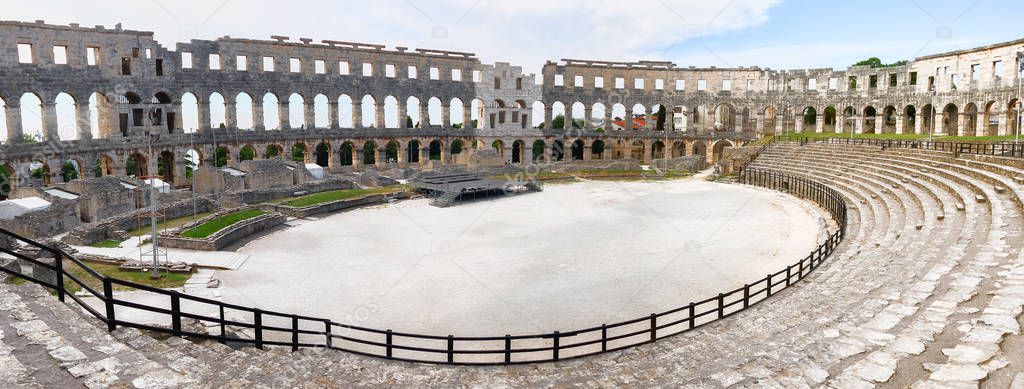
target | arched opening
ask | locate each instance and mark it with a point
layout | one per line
(597, 149)
(323, 153)
(950, 120)
(70, 170)
(369, 153)
(271, 112)
(220, 156)
(8, 179)
(435, 150)
(658, 150)
(165, 166)
(557, 115)
(849, 119)
(538, 150)
(909, 119)
(456, 113)
(217, 111)
(413, 151)
(991, 118)
(499, 147)
(189, 112)
(537, 111)
(889, 115)
(412, 112)
(390, 112)
(455, 149)
(369, 105)
(618, 116)
(869, 120)
(830, 119)
(725, 117)
(40, 171)
(243, 111)
(557, 151)
(66, 110)
(434, 112)
(320, 119)
(298, 153)
(970, 120)
(576, 151)
(718, 149)
(810, 119)
(700, 149)
(1013, 117)
(768, 123)
(135, 165)
(658, 116)
(597, 112)
(517, 151)
(246, 153)
(578, 115)
(345, 154)
(391, 152)
(272, 151)
(678, 149)
(31, 117)
(3, 122)
(345, 112)
(296, 111)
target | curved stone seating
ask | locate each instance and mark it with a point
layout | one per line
(927, 301)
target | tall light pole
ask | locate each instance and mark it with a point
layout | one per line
(1020, 69)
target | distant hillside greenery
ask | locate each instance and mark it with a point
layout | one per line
(874, 62)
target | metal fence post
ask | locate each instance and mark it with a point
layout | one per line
(295, 333)
(654, 327)
(451, 349)
(257, 323)
(604, 337)
(223, 330)
(508, 349)
(693, 315)
(59, 268)
(746, 296)
(327, 334)
(108, 302)
(388, 338)
(721, 305)
(175, 314)
(770, 284)
(554, 348)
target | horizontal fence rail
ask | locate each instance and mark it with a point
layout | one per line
(238, 324)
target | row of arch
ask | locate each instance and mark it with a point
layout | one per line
(994, 118)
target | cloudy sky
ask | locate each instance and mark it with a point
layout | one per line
(769, 33)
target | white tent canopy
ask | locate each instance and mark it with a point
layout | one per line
(159, 184)
(9, 209)
(316, 170)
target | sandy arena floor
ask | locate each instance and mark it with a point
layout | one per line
(572, 256)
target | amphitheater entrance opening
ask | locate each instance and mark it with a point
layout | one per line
(719, 149)
(637, 150)
(413, 151)
(369, 153)
(700, 149)
(577, 150)
(597, 149)
(517, 151)
(272, 151)
(135, 165)
(246, 153)
(889, 117)
(323, 154)
(345, 154)
(435, 150)
(658, 150)
(557, 150)
(950, 120)
(165, 166)
(7, 180)
(869, 120)
(538, 150)
(909, 119)
(970, 120)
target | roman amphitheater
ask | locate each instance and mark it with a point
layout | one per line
(291, 213)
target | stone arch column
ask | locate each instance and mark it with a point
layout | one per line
(401, 116)
(308, 115)
(204, 112)
(378, 115)
(607, 120)
(899, 122)
(257, 115)
(82, 119)
(819, 122)
(759, 123)
(588, 110)
(283, 111)
(332, 113)
(357, 114)
(50, 131)
(778, 122)
(446, 120)
(424, 119)
(467, 115)
(547, 117)
(230, 113)
(14, 130)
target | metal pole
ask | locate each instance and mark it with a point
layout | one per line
(192, 147)
(152, 205)
(1020, 67)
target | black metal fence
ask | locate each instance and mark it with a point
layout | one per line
(1002, 149)
(235, 323)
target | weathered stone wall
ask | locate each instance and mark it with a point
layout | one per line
(224, 237)
(104, 229)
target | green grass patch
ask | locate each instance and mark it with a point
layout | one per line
(108, 244)
(335, 195)
(217, 224)
(168, 280)
(168, 224)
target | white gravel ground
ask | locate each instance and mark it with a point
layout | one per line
(572, 256)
